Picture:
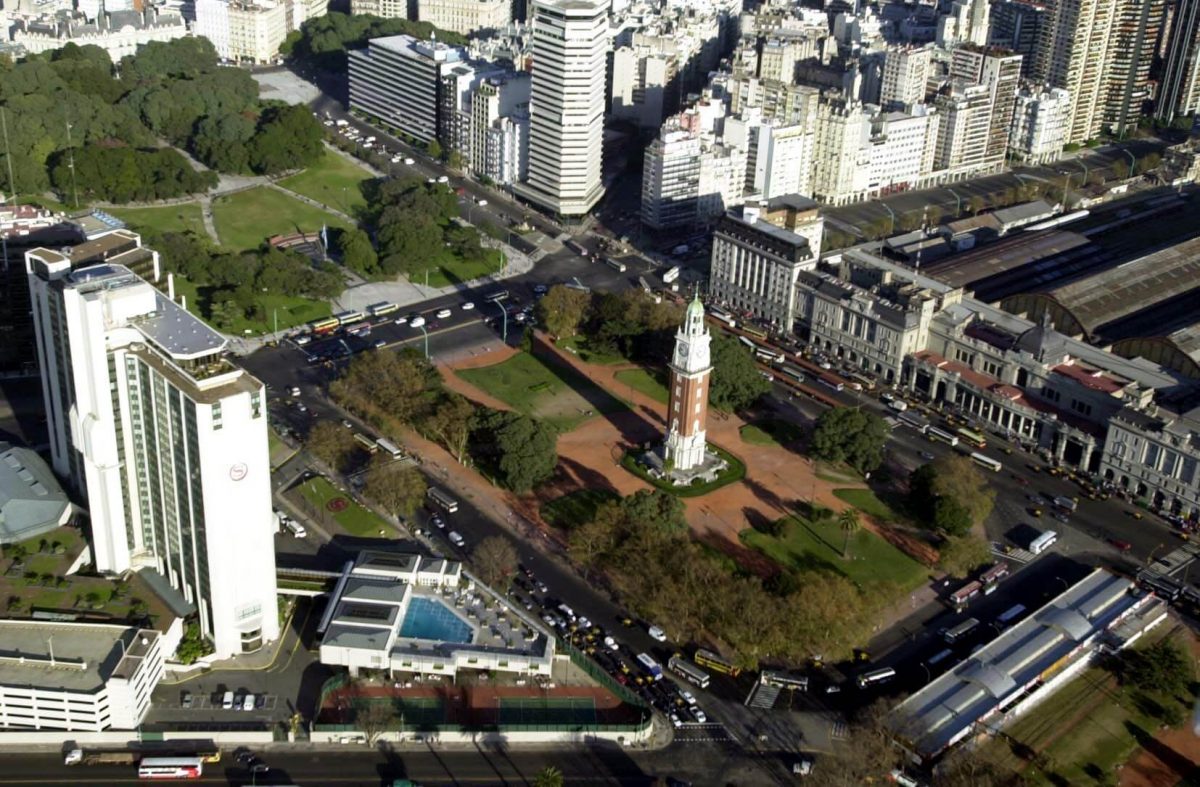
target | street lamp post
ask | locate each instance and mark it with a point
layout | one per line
(425, 333)
(504, 316)
(892, 215)
(1132, 162)
(957, 203)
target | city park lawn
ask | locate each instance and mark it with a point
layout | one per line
(447, 269)
(580, 345)
(334, 181)
(806, 545)
(770, 432)
(156, 221)
(282, 311)
(553, 393)
(246, 219)
(576, 508)
(866, 501)
(646, 382)
(354, 519)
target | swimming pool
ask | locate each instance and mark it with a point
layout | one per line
(429, 619)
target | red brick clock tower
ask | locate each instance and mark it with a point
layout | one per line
(687, 409)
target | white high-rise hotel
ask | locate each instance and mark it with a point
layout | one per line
(164, 437)
(570, 50)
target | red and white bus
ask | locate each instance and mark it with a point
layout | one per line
(170, 768)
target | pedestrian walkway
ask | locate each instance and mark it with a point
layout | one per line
(1015, 554)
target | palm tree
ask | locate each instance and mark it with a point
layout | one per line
(548, 777)
(849, 523)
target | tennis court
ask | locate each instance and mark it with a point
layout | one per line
(416, 711)
(547, 710)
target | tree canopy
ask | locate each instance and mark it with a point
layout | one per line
(850, 435)
(950, 494)
(522, 450)
(323, 40)
(736, 383)
(115, 118)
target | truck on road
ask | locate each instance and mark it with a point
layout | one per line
(81, 757)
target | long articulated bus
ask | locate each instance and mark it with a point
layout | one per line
(706, 658)
(784, 680)
(348, 318)
(171, 768)
(327, 325)
(972, 437)
(941, 435)
(986, 461)
(689, 672)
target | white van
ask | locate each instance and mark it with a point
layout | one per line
(248, 703)
(296, 528)
(567, 611)
(227, 701)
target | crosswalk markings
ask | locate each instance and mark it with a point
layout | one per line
(840, 730)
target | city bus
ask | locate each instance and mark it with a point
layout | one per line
(359, 329)
(723, 316)
(367, 444)
(170, 768)
(768, 355)
(755, 332)
(650, 665)
(614, 264)
(972, 437)
(795, 372)
(324, 326)
(875, 677)
(497, 296)
(829, 381)
(389, 447)
(941, 435)
(1043, 542)
(866, 382)
(749, 343)
(784, 681)
(983, 461)
(442, 499)
(706, 658)
(961, 630)
(347, 318)
(689, 672)
(671, 275)
(380, 309)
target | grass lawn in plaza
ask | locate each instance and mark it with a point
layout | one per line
(246, 219)
(554, 393)
(282, 311)
(356, 520)
(334, 181)
(646, 382)
(449, 269)
(576, 508)
(771, 431)
(866, 501)
(582, 348)
(155, 221)
(805, 545)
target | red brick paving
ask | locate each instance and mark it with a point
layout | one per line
(776, 478)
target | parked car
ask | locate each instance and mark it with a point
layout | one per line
(185, 699)
(468, 306)
(443, 314)
(657, 634)
(416, 321)
(456, 539)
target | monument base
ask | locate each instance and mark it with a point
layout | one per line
(705, 472)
